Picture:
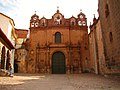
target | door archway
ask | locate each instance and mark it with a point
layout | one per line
(58, 63)
(15, 67)
(3, 58)
(8, 60)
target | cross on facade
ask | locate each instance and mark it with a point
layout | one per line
(35, 12)
(57, 7)
(80, 10)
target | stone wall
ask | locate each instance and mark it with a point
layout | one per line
(109, 12)
(21, 60)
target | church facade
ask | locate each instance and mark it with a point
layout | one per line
(57, 45)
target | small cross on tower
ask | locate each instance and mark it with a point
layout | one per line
(35, 12)
(57, 7)
(80, 10)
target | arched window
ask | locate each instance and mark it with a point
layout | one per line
(111, 36)
(106, 10)
(72, 23)
(3, 58)
(57, 37)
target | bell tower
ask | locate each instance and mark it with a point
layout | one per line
(82, 20)
(34, 22)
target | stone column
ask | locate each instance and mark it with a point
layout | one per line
(79, 60)
(12, 58)
(68, 61)
(71, 62)
(48, 60)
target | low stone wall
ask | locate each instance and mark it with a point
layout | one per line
(4, 72)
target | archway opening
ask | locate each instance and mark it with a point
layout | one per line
(8, 60)
(15, 67)
(58, 63)
(3, 58)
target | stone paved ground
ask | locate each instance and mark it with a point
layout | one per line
(59, 82)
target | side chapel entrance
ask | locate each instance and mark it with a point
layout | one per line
(58, 63)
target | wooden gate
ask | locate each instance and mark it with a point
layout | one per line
(58, 63)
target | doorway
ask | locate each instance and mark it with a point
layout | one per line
(58, 63)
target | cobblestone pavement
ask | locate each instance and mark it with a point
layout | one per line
(59, 82)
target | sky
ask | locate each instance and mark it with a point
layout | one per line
(22, 10)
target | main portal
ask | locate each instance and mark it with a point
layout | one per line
(58, 63)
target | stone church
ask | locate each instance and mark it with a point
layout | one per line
(58, 45)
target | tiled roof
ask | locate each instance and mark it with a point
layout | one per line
(21, 33)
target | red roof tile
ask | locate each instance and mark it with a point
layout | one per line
(21, 33)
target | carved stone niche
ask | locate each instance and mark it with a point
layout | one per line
(75, 63)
